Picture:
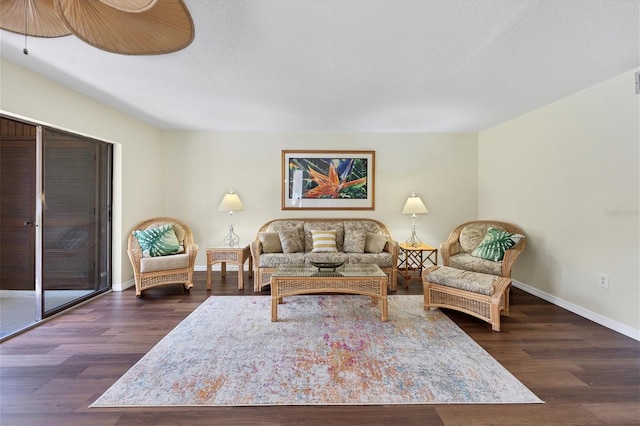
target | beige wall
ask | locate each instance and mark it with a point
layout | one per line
(202, 166)
(185, 174)
(572, 182)
(26, 95)
(568, 174)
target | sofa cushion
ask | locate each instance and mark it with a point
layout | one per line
(325, 257)
(279, 225)
(375, 243)
(271, 260)
(164, 263)
(324, 241)
(475, 264)
(495, 242)
(157, 241)
(325, 226)
(270, 242)
(383, 260)
(354, 240)
(290, 241)
(367, 225)
(464, 280)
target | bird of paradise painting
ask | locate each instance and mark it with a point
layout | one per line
(328, 179)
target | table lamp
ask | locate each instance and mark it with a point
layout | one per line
(413, 206)
(230, 203)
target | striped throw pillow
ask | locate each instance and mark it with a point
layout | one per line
(324, 241)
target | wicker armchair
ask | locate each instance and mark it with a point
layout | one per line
(455, 255)
(163, 270)
(471, 284)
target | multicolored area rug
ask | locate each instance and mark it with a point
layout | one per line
(324, 350)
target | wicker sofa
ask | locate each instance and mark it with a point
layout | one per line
(468, 282)
(357, 241)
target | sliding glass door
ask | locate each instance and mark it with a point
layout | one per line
(17, 226)
(55, 224)
(75, 218)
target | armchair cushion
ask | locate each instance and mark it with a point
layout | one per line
(463, 280)
(471, 235)
(177, 228)
(158, 241)
(495, 242)
(164, 263)
(476, 264)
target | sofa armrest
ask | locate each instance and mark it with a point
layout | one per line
(392, 247)
(256, 251)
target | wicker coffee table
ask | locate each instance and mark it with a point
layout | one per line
(363, 279)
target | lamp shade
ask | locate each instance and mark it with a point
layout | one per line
(414, 205)
(231, 202)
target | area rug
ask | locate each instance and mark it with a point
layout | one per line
(324, 350)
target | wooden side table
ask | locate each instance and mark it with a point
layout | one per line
(222, 255)
(414, 260)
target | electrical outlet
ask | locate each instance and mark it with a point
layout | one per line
(604, 280)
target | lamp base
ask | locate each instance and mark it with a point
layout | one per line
(232, 239)
(413, 240)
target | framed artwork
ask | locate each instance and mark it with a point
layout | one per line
(328, 180)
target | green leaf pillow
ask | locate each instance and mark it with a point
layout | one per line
(496, 241)
(159, 241)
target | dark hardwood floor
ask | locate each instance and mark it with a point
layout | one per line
(586, 374)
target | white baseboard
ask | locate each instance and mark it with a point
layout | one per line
(198, 268)
(123, 286)
(579, 310)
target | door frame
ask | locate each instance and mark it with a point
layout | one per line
(39, 201)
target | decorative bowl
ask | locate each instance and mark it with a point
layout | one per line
(327, 265)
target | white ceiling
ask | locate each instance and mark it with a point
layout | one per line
(361, 66)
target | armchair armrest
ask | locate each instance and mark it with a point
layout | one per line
(192, 251)
(135, 253)
(510, 257)
(450, 247)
